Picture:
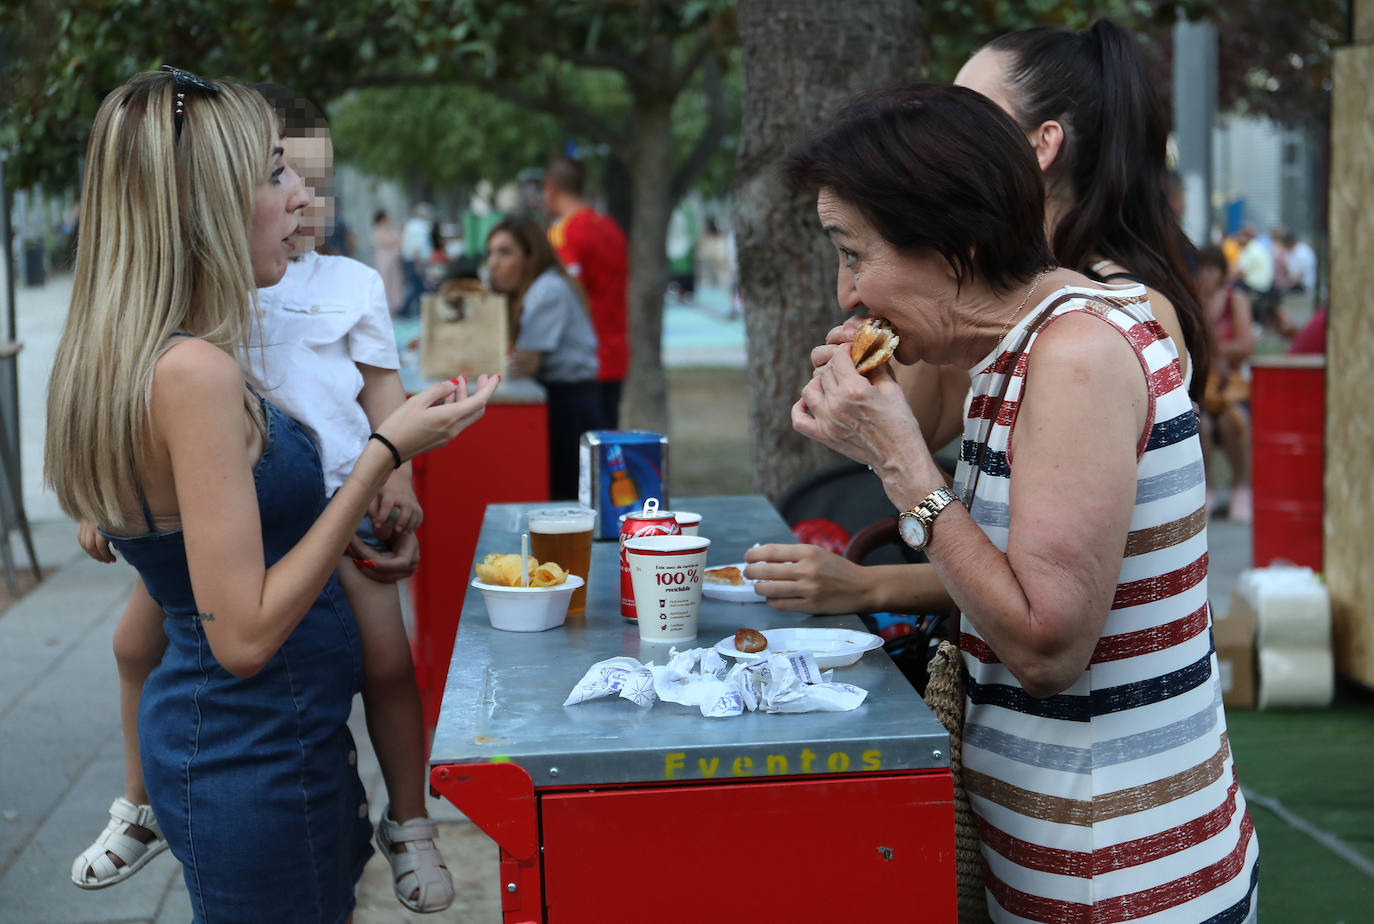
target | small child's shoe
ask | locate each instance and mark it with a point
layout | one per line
(95, 869)
(421, 880)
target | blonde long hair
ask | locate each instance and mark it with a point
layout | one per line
(164, 248)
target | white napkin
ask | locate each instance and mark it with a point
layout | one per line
(699, 677)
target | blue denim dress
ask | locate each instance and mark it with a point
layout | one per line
(253, 780)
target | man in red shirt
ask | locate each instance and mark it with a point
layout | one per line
(592, 249)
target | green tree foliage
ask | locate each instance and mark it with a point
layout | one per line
(582, 61)
(955, 29)
(441, 137)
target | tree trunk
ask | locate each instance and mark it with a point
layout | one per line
(618, 188)
(650, 159)
(801, 60)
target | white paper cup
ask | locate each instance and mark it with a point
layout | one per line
(687, 522)
(665, 572)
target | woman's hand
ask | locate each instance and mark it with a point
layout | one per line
(436, 415)
(92, 543)
(840, 335)
(866, 419)
(807, 579)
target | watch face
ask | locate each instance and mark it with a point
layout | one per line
(912, 530)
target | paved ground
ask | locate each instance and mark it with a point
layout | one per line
(60, 756)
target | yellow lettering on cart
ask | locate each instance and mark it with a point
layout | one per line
(805, 760)
(672, 764)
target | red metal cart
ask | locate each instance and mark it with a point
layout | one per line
(606, 812)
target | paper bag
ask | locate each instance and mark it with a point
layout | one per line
(463, 331)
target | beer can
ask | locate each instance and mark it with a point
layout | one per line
(647, 522)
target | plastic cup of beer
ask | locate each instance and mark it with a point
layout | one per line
(564, 535)
(689, 523)
(666, 573)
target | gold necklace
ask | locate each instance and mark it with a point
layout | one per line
(1029, 292)
(977, 461)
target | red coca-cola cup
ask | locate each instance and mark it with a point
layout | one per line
(647, 522)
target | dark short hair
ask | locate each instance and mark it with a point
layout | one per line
(297, 115)
(935, 167)
(1212, 255)
(565, 174)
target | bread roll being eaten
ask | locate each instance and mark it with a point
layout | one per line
(874, 343)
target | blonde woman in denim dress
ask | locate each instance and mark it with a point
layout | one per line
(216, 498)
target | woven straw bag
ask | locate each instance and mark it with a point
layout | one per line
(945, 697)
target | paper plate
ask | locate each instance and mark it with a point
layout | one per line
(830, 647)
(732, 593)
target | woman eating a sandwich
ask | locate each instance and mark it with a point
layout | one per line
(1095, 748)
(1087, 110)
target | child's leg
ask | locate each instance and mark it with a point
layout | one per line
(396, 725)
(138, 646)
(132, 837)
(395, 721)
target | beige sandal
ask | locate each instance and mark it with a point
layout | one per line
(418, 868)
(95, 869)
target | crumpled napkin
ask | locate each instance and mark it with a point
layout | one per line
(700, 677)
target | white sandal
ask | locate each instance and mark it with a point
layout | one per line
(419, 867)
(95, 870)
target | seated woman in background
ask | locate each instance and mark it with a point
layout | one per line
(1225, 404)
(554, 341)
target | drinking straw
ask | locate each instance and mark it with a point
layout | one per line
(524, 559)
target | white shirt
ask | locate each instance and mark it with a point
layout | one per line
(325, 316)
(1256, 265)
(1302, 266)
(415, 240)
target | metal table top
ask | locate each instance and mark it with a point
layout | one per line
(505, 691)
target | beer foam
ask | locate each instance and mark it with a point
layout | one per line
(562, 522)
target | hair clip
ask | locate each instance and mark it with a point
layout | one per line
(185, 80)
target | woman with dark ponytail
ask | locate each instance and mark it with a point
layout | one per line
(1086, 104)
(1098, 129)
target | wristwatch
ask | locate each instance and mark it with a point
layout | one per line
(914, 524)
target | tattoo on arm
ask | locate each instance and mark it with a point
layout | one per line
(206, 617)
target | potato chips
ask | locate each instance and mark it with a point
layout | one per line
(504, 571)
(549, 574)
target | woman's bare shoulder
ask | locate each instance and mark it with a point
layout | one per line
(1088, 344)
(193, 372)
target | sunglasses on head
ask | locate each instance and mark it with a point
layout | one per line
(185, 80)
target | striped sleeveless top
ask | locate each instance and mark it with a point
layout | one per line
(1116, 799)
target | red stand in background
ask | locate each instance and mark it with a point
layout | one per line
(1287, 451)
(503, 458)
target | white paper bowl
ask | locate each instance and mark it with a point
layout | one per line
(528, 609)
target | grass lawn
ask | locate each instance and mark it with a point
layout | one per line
(1316, 766)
